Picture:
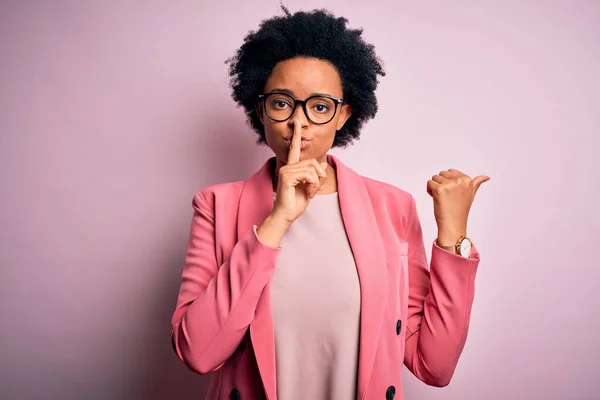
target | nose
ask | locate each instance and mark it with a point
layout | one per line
(298, 116)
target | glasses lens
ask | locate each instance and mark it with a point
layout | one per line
(279, 106)
(320, 109)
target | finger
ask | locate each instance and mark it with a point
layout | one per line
(320, 168)
(294, 152)
(431, 186)
(311, 190)
(457, 172)
(323, 177)
(439, 179)
(478, 180)
(316, 185)
(305, 175)
(449, 174)
(312, 184)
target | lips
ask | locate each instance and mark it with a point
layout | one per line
(304, 142)
(289, 138)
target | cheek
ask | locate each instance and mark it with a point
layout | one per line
(327, 136)
(272, 132)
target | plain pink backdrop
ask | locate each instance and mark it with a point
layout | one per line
(113, 113)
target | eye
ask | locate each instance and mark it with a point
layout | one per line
(280, 103)
(321, 108)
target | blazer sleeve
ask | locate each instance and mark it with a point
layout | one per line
(216, 303)
(439, 306)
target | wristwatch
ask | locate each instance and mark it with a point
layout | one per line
(462, 247)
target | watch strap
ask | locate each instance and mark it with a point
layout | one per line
(449, 248)
(456, 248)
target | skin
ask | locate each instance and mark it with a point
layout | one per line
(303, 77)
(300, 174)
(453, 193)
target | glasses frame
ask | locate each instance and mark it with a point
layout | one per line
(336, 100)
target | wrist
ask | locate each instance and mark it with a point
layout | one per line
(272, 230)
(449, 237)
(278, 219)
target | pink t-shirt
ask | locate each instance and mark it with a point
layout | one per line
(315, 300)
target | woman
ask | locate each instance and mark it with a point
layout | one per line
(309, 281)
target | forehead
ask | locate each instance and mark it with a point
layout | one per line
(304, 76)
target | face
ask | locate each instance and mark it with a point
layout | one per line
(301, 78)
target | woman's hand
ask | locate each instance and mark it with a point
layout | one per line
(298, 182)
(453, 193)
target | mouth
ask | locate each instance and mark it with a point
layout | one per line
(304, 142)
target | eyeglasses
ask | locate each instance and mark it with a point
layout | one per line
(319, 109)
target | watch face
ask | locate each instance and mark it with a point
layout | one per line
(465, 248)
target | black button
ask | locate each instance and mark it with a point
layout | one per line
(398, 327)
(390, 393)
(235, 394)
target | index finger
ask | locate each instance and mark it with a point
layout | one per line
(294, 152)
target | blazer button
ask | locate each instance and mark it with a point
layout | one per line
(390, 393)
(398, 327)
(235, 394)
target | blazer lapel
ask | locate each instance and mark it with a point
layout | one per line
(369, 254)
(256, 202)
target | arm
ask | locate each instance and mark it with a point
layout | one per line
(216, 303)
(439, 307)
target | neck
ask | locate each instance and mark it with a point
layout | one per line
(330, 185)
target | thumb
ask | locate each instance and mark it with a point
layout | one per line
(478, 180)
(323, 165)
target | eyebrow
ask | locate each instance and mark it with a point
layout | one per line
(291, 93)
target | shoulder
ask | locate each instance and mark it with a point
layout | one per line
(226, 192)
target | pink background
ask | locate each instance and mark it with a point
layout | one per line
(113, 113)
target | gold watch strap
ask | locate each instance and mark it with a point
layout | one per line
(455, 249)
(449, 248)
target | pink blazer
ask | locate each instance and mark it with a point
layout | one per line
(410, 313)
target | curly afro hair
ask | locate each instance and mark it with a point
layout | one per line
(316, 34)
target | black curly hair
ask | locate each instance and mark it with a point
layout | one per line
(315, 34)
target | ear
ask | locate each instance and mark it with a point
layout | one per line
(345, 113)
(258, 109)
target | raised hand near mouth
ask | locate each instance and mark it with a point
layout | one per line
(298, 182)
